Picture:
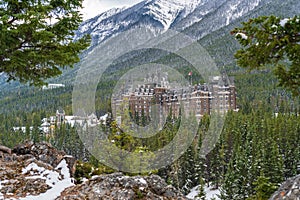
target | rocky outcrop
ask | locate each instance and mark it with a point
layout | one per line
(118, 186)
(5, 149)
(45, 153)
(33, 169)
(289, 190)
(39, 171)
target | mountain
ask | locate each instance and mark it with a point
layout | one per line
(161, 15)
(220, 13)
(155, 14)
(221, 45)
(196, 18)
(209, 21)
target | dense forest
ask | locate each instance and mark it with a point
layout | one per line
(257, 150)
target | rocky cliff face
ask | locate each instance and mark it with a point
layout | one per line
(39, 171)
(289, 190)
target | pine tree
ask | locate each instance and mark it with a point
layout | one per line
(228, 188)
(37, 38)
(188, 168)
(270, 40)
(263, 188)
(201, 194)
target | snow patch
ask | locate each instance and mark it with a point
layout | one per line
(57, 181)
(33, 168)
(52, 193)
(142, 180)
(210, 193)
(243, 35)
(104, 118)
(1, 195)
(233, 11)
(63, 167)
(283, 22)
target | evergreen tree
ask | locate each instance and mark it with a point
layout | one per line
(188, 169)
(37, 38)
(270, 40)
(228, 189)
(201, 194)
(263, 188)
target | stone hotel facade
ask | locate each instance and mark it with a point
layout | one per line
(219, 95)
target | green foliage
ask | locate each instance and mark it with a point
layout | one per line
(67, 139)
(83, 170)
(88, 169)
(272, 41)
(201, 195)
(11, 138)
(139, 194)
(261, 145)
(37, 38)
(263, 188)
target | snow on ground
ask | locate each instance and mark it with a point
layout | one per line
(58, 181)
(1, 195)
(210, 193)
(142, 180)
(243, 35)
(283, 22)
(52, 193)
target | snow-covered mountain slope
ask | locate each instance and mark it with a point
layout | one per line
(155, 14)
(222, 46)
(167, 11)
(161, 15)
(217, 14)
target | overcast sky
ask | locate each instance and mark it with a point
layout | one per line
(95, 7)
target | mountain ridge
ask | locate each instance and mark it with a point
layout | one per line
(202, 18)
(164, 15)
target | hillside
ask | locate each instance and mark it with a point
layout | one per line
(256, 149)
(216, 39)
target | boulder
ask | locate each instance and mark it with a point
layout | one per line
(45, 153)
(5, 149)
(289, 190)
(119, 186)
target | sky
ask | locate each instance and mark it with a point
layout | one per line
(95, 7)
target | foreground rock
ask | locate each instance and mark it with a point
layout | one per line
(34, 170)
(118, 186)
(289, 190)
(39, 171)
(45, 153)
